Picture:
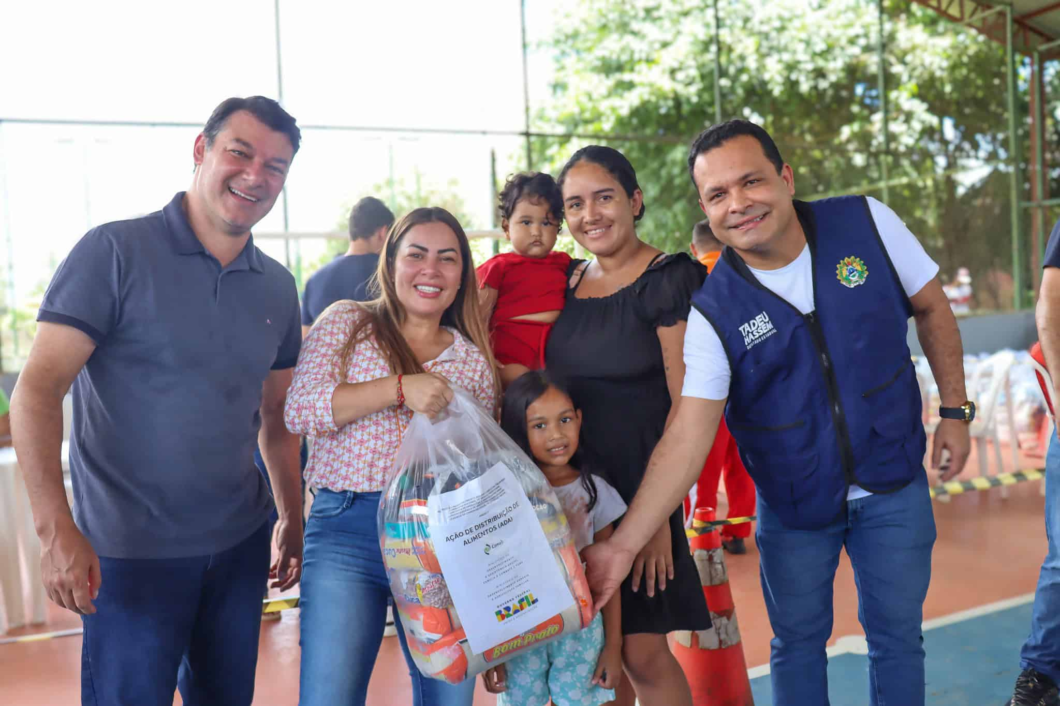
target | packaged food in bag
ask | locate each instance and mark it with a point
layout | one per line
(480, 558)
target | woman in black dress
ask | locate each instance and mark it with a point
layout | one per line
(618, 345)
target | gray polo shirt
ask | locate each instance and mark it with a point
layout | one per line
(166, 408)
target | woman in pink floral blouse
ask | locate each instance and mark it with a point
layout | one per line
(364, 369)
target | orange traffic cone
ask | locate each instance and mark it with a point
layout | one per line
(713, 659)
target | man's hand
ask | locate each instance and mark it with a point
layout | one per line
(608, 566)
(952, 435)
(495, 679)
(288, 566)
(656, 560)
(70, 570)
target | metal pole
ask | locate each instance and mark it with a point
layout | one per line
(493, 198)
(1014, 155)
(1037, 120)
(10, 243)
(717, 63)
(283, 193)
(526, 88)
(882, 88)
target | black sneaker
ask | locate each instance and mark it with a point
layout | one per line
(1034, 689)
(735, 545)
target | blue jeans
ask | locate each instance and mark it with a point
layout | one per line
(344, 598)
(162, 623)
(888, 539)
(1042, 649)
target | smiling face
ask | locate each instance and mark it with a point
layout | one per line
(552, 428)
(427, 270)
(239, 176)
(748, 203)
(598, 211)
(532, 228)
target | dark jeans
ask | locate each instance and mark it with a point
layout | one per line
(1042, 649)
(888, 539)
(162, 623)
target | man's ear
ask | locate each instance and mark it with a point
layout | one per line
(198, 152)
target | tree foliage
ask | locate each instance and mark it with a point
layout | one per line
(807, 71)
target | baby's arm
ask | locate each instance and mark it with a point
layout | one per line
(609, 664)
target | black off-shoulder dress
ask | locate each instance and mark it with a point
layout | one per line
(607, 351)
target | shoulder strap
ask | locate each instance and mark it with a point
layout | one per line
(576, 276)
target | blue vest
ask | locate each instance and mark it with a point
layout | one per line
(828, 399)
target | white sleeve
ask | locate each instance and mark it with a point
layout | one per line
(915, 267)
(609, 504)
(707, 373)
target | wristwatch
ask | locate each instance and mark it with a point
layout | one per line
(965, 413)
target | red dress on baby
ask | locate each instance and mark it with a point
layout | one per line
(525, 285)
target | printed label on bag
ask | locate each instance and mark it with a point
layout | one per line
(495, 558)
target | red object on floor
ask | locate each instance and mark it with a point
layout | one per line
(724, 458)
(713, 659)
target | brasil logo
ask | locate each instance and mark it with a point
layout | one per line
(514, 609)
(851, 271)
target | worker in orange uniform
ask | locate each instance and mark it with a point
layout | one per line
(724, 458)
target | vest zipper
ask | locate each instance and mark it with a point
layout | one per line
(839, 419)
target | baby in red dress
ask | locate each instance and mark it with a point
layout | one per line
(522, 292)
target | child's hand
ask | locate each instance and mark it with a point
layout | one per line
(495, 679)
(608, 666)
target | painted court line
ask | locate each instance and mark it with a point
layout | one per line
(855, 644)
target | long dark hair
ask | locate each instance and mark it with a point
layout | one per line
(527, 389)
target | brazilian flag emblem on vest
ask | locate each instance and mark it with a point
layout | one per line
(851, 271)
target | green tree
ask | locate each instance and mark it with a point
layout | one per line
(807, 71)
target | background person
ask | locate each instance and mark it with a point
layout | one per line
(364, 369)
(348, 276)
(1040, 656)
(724, 457)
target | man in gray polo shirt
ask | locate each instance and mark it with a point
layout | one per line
(179, 337)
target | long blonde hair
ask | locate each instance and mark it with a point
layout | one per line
(385, 314)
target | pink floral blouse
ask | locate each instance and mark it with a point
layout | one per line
(359, 455)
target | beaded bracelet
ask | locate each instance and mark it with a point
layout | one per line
(400, 393)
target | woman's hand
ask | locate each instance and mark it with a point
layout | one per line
(426, 393)
(656, 560)
(495, 679)
(608, 666)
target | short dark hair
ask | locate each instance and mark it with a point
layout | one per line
(264, 109)
(367, 216)
(720, 133)
(532, 185)
(614, 162)
(704, 239)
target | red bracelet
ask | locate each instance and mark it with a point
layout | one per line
(400, 393)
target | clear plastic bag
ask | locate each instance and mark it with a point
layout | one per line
(476, 545)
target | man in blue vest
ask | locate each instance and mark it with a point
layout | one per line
(802, 326)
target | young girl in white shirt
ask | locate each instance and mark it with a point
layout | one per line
(579, 669)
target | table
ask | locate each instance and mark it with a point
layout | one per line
(19, 546)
